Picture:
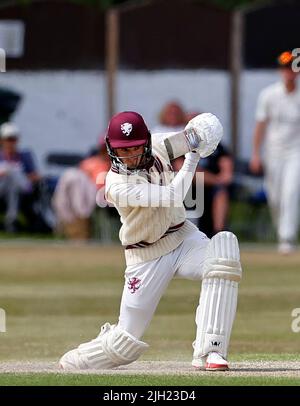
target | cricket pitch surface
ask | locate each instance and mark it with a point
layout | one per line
(249, 368)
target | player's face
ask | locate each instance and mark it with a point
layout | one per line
(9, 145)
(131, 157)
(288, 75)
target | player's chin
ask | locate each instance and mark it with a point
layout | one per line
(133, 165)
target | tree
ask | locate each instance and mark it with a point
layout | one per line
(104, 4)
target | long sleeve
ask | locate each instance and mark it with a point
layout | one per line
(153, 195)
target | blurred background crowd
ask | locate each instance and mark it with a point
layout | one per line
(71, 64)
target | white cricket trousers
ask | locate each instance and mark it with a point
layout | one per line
(146, 282)
(283, 191)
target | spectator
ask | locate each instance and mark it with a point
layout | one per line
(218, 175)
(18, 174)
(278, 122)
(74, 199)
(171, 118)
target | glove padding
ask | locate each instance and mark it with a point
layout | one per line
(210, 131)
(191, 161)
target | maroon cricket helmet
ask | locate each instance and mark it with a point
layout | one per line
(127, 129)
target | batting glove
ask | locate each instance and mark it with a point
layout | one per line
(204, 132)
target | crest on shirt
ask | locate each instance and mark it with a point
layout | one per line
(126, 128)
(134, 284)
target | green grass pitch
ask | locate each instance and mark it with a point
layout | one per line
(58, 295)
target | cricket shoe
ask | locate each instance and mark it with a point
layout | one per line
(71, 361)
(199, 363)
(75, 359)
(286, 248)
(212, 362)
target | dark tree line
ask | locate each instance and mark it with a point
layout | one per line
(104, 4)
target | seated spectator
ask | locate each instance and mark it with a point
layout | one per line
(171, 118)
(218, 176)
(18, 173)
(74, 199)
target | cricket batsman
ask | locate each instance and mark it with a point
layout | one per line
(160, 244)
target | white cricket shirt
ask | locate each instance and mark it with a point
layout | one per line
(282, 112)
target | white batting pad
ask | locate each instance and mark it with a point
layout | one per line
(217, 306)
(113, 347)
(222, 257)
(215, 315)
